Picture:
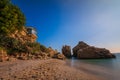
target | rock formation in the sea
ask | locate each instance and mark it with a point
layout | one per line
(66, 50)
(80, 45)
(85, 51)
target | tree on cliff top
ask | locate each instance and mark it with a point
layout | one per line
(11, 17)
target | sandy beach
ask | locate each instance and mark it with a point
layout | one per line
(51, 69)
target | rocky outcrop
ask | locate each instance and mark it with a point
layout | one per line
(3, 55)
(41, 55)
(51, 52)
(55, 54)
(26, 56)
(24, 36)
(59, 56)
(80, 45)
(66, 50)
(84, 51)
(22, 45)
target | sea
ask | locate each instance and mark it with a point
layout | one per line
(109, 69)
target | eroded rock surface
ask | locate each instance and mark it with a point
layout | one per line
(66, 50)
(83, 51)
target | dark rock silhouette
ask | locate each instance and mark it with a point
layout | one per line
(80, 45)
(66, 50)
(84, 51)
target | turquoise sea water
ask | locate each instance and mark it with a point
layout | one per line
(104, 68)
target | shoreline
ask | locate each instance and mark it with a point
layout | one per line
(50, 69)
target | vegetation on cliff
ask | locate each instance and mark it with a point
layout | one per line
(14, 39)
(11, 17)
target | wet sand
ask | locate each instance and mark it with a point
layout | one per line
(51, 69)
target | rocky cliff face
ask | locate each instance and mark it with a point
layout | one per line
(83, 51)
(24, 36)
(15, 42)
(22, 45)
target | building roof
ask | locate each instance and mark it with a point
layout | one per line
(31, 28)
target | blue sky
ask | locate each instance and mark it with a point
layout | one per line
(60, 22)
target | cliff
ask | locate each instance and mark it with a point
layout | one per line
(22, 45)
(24, 36)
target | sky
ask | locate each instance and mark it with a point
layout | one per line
(66, 22)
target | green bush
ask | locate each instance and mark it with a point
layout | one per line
(8, 42)
(43, 48)
(12, 45)
(1, 48)
(11, 18)
(33, 47)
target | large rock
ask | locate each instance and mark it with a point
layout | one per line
(51, 52)
(66, 50)
(55, 54)
(22, 56)
(84, 51)
(41, 55)
(3, 55)
(59, 56)
(80, 45)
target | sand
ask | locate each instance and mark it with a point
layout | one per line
(51, 69)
